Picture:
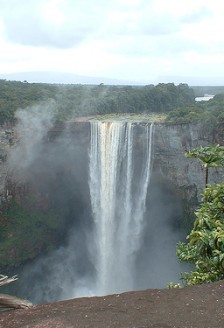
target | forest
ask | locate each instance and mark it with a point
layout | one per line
(79, 100)
(73, 100)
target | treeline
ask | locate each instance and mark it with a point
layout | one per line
(204, 111)
(15, 95)
(79, 100)
(82, 100)
(70, 101)
(200, 91)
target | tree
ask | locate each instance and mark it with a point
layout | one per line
(209, 157)
(205, 246)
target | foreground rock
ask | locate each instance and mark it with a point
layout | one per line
(195, 307)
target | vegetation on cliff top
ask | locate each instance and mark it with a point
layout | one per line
(70, 101)
(132, 117)
(208, 112)
(79, 100)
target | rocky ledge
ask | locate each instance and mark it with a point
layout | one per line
(196, 307)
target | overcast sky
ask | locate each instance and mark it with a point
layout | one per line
(145, 41)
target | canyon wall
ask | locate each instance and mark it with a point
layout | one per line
(170, 142)
(70, 143)
(187, 175)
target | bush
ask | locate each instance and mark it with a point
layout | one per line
(205, 247)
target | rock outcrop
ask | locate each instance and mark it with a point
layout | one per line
(187, 175)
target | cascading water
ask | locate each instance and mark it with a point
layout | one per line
(118, 202)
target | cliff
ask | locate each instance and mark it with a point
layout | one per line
(35, 214)
(169, 146)
(187, 175)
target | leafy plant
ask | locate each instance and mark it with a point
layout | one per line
(205, 243)
(209, 157)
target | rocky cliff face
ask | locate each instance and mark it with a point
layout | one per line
(185, 177)
(170, 144)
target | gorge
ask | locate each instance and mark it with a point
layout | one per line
(68, 170)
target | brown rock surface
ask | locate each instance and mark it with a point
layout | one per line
(196, 307)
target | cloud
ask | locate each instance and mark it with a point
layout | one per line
(67, 23)
(59, 23)
(122, 39)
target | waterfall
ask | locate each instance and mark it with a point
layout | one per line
(118, 189)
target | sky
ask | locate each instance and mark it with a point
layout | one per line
(133, 41)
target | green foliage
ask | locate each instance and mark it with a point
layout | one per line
(172, 285)
(80, 100)
(186, 114)
(15, 95)
(132, 117)
(206, 112)
(209, 157)
(101, 99)
(205, 246)
(200, 91)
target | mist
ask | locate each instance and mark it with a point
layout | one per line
(56, 164)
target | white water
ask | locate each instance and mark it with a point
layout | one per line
(118, 202)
